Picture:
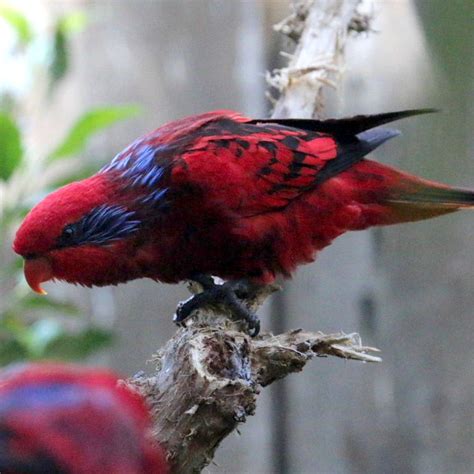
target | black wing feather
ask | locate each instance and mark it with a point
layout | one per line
(345, 129)
(351, 153)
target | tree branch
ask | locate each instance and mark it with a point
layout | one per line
(208, 376)
(322, 27)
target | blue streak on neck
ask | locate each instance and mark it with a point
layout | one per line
(140, 168)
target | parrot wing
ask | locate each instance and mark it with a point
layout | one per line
(249, 167)
(259, 166)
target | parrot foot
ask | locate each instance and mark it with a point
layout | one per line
(229, 294)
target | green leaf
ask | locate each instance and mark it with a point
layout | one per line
(72, 22)
(47, 339)
(65, 26)
(12, 323)
(11, 351)
(80, 345)
(18, 22)
(60, 60)
(11, 150)
(49, 304)
(39, 335)
(88, 125)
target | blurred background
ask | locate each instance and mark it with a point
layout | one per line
(79, 80)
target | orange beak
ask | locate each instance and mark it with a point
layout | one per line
(37, 271)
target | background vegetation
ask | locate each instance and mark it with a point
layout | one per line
(32, 326)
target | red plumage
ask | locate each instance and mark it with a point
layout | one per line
(62, 418)
(225, 195)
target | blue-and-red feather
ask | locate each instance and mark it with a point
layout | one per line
(65, 419)
(223, 194)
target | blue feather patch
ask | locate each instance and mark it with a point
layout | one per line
(102, 225)
(43, 396)
(139, 166)
(155, 198)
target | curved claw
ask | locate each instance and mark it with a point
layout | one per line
(184, 310)
(225, 295)
(254, 327)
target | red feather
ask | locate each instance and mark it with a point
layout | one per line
(59, 418)
(225, 195)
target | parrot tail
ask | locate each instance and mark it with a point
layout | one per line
(437, 196)
(427, 200)
(393, 197)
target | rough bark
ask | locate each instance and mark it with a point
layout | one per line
(208, 376)
(321, 26)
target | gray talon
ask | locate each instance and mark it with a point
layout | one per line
(228, 294)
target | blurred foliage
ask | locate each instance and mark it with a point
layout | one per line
(89, 124)
(32, 326)
(65, 26)
(18, 22)
(10, 146)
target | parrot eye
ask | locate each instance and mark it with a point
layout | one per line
(68, 234)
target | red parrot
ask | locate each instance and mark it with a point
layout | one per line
(222, 194)
(65, 419)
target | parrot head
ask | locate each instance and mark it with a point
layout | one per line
(79, 233)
